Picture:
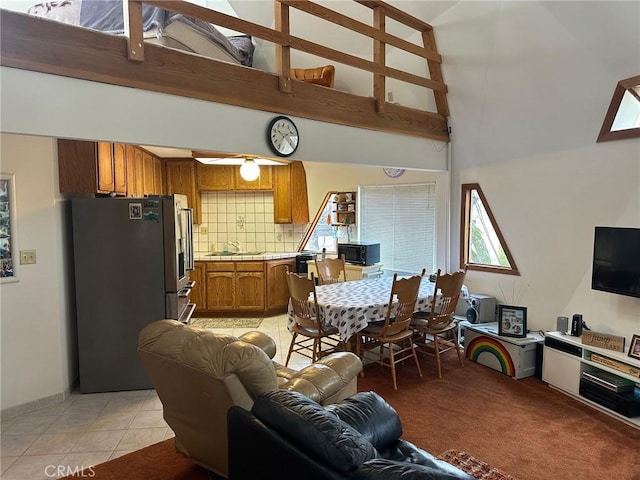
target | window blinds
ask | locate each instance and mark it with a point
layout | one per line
(402, 218)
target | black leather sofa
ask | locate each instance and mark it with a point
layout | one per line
(288, 436)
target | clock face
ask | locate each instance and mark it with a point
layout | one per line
(282, 136)
(393, 172)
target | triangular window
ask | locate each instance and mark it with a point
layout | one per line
(623, 116)
(482, 246)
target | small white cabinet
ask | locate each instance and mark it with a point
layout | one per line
(561, 370)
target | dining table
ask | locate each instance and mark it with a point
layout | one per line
(351, 306)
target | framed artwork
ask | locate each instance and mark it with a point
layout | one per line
(8, 230)
(512, 321)
(634, 348)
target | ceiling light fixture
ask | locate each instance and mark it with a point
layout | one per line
(249, 170)
(237, 161)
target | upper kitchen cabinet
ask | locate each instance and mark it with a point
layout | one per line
(91, 167)
(135, 171)
(290, 202)
(214, 177)
(264, 181)
(180, 176)
(108, 168)
(227, 177)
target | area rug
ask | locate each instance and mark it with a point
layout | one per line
(474, 467)
(226, 322)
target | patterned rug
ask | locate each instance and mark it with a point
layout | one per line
(474, 467)
(226, 322)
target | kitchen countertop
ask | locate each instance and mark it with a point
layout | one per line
(208, 257)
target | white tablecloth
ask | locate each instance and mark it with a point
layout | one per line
(351, 305)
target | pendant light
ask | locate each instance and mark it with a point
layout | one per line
(249, 170)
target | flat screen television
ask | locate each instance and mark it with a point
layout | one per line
(616, 260)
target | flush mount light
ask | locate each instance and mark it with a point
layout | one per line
(249, 170)
(237, 161)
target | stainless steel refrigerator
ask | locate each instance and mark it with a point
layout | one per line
(132, 258)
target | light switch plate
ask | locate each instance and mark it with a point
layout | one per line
(27, 257)
(204, 229)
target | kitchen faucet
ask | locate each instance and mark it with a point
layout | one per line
(235, 244)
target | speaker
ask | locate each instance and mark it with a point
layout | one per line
(562, 324)
(482, 308)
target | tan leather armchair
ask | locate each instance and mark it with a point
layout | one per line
(198, 374)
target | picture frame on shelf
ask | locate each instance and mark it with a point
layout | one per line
(634, 348)
(512, 321)
(9, 259)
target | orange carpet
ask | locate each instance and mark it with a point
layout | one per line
(522, 427)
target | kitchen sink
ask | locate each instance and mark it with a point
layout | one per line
(250, 253)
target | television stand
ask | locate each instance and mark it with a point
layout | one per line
(565, 361)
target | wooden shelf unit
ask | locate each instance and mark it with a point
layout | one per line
(343, 212)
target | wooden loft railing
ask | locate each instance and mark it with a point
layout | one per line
(40, 45)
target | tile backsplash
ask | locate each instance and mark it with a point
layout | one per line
(246, 217)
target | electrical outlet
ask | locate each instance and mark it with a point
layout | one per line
(204, 229)
(27, 257)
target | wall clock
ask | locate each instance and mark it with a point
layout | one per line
(282, 136)
(393, 172)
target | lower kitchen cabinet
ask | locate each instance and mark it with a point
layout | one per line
(249, 291)
(241, 288)
(277, 288)
(220, 280)
(199, 292)
(235, 287)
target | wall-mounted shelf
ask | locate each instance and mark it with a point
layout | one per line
(344, 209)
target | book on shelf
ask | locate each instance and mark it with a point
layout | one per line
(622, 367)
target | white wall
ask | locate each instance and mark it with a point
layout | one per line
(529, 85)
(36, 350)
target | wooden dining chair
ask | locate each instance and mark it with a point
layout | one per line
(435, 330)
(311, 338)
(390, 342)
(331, 270)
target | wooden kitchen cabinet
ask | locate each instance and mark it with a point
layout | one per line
(135, 171)
(227, 177)
(264, 181)
(220, 282)
(148, 173)
(290, 202)
(249, 286)
(180, 176)
(199, 291)
(214, 177)
(235, 286)
(91, 167)
(277, 289)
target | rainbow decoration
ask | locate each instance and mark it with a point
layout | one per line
(487, 346)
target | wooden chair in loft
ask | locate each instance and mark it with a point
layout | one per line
(324, 75)
(310, 336)
(390, 342)
(435, 330)
(331, 270)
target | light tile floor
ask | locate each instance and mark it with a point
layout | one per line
(88, 429)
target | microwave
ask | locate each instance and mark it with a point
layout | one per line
(363, 253)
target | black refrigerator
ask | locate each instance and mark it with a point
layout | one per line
(132, 258)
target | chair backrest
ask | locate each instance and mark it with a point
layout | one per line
(304, 302)
(331, 270)
(405, 291)
(319, 75)
(446, 295)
